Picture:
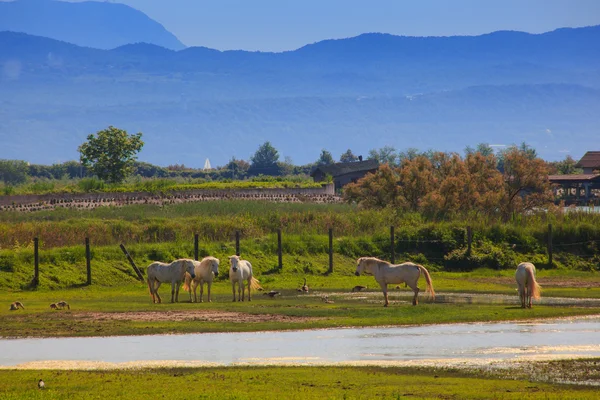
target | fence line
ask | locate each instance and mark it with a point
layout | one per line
(389, 253)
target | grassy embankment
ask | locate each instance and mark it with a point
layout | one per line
(285, 383)
(165, 233)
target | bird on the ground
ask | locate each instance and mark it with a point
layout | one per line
(54, 306)
(325, 299)
(63, 304)
(16, 305)
(304, 287)
(272, 293)
(41, 384)
(358, 288)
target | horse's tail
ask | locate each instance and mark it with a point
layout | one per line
(254, 284)
(428, 280)
(186, 283)
(534, 287)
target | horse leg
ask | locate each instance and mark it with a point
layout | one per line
(157, 283)
(172, 292)
(208, 284)
(243, 290)
(385, 293)
(249, 288)
(528, 296)
(193, 289)
(201, 292)
(415, 289)
(177, 291)
(233, 289)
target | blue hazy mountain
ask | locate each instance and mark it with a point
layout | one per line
(361, 93)
(100, 25)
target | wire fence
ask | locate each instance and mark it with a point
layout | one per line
(381, 247)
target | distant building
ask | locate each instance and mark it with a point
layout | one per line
(580, 189)
(344, 173)
(590, 162)
(207, 165)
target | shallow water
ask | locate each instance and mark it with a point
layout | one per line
(478, 342)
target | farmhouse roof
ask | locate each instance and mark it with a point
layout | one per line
(591, 159)
(571, 178)
(338, 169)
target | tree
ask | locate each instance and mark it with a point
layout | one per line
(348, 156)
(264, 161)
(13, 172)
(565, 167)
(377, 190)
(526, 184)
(110, 153)
(385, 155)
(325, 158)
(483, 148)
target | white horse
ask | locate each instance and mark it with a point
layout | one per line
(528, 286)
(205, 270)
(386, 273)
(240, 271)
(159, 272)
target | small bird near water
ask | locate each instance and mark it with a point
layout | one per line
(304, 287)
(41, 384)
(272, 293)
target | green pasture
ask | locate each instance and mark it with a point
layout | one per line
(282, 383)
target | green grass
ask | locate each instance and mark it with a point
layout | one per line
(279, 383)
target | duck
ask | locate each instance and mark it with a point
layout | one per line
(304, 287)
(272, 293)
(16, 305)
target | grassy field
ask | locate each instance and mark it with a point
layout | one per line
(282, 383)
(127, 309)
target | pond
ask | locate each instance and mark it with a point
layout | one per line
(416, 345)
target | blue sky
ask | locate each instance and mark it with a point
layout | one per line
(277, 25)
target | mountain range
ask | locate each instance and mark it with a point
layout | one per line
(95, 24)
(365, 92)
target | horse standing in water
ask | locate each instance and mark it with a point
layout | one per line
(205, 270)
(386, 273)
(159, 272)
(240, 271)
(528, 286)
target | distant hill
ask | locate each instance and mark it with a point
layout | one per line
(95, 24)
(360, 93)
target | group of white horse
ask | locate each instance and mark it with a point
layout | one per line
(196, 273)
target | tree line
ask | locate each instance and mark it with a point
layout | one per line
(111, 156)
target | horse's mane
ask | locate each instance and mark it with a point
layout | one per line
(373, 260)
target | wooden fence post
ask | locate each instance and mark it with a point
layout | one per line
(330, 250)
(550, 244)
(88, 261)
(196, 246)
(135, 268)
(237, 243)
(469, 239)
(393, 247)
(36, 262)
(279, 250)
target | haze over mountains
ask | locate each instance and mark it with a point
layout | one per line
(361, 93)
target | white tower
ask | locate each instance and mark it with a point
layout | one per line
(207, 165)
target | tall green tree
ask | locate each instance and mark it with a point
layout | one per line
(325, 158)
(385, 155)
(13, 172)
(348, 156)
(110, 153)
(264, 161)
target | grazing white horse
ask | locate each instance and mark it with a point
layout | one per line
(205, 270)
(159, 272)
(240, 271)
(386, 273)
(528, 286)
